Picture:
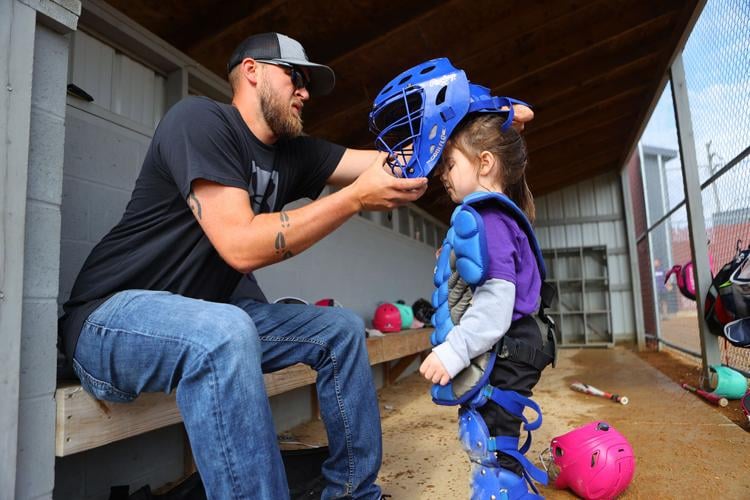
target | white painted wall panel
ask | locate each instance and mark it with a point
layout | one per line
(570, 202)
(91, 68)
(117, 82)
(590, 234)
(138, 92)
(587, 198)
(557, 227)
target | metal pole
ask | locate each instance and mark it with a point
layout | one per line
(649, 235)
(635, 277)
(694, 203)
(710, 156)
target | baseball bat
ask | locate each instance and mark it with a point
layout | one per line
(590, 389)
(711, 398)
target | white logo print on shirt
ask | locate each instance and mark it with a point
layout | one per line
(263, 188)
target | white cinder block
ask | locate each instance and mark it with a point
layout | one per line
(42, 251)
(73, 255)
(50, 57)
(45, 157)
(75, 210)
(36, 447)
(38, 348)
(106, 206)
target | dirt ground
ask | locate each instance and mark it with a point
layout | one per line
(684, 447)
(682, 329)
(681, 368)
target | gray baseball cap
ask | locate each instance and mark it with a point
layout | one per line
(278, 48)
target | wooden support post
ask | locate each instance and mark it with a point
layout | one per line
(314, 402)
(188, 462)
(386, 374)
(395, 372)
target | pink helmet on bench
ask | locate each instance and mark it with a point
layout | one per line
(595, 461)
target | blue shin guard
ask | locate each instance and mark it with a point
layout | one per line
(496, 483)
(489, 480)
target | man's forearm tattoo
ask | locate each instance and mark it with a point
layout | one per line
(280, 243)
(194, 205)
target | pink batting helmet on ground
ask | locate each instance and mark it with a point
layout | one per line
(595, 461)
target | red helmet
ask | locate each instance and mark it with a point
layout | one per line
(387, 318)
(328, 303)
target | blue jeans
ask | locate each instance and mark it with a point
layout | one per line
(213, 355)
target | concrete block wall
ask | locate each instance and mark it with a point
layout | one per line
(102, 161)
(103, 154)
(36, 423)
(360, 264)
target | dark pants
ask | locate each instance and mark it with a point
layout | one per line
(514, 376)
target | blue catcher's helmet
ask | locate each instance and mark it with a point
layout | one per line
(416, 112)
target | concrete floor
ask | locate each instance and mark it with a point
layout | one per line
(684, 448)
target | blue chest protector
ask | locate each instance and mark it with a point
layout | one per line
(465, 255)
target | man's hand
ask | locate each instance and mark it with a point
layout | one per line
(521, 115)
(433, 370)
(378, 189)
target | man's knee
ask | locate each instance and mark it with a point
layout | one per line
(226, 328)
(347, 328)
(347, 321)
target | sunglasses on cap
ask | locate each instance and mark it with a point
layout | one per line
(299, 80)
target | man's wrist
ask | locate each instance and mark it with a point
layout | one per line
(351, 195)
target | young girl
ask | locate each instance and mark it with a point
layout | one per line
(481, 157)
(489, 276)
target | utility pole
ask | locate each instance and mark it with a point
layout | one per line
(711, 156)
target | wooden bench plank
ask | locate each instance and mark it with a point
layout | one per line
(289, 378)
(84, 423)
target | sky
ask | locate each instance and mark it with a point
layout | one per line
(717, 70)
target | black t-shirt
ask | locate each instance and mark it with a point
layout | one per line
(158, 244)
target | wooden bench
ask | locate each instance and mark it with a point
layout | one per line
(84, 423)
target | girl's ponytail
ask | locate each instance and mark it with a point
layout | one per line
(521, 196)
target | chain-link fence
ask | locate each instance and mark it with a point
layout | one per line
(717, 71)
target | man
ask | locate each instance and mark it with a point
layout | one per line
(150, 310)
(663, 290)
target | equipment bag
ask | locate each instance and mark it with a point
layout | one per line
(728, 301)
(685, 281)
(684, 276)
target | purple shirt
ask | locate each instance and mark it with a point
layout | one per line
(512, 259)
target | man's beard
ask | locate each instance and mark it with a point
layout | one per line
(280, 117)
